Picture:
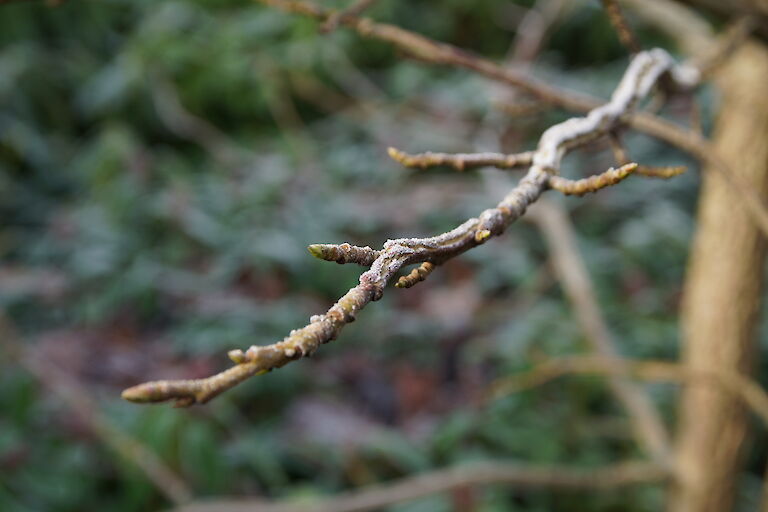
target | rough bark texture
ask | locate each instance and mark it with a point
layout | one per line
(723, 290)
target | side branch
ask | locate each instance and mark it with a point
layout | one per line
(556, 477)
(461, 161)
(593, 183)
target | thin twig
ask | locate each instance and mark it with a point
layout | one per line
(593, 183)
(461, 161)
(555, 477)
(416, 276)
(619, 22)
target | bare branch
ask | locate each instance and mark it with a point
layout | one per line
(416, 276)
(462, 161)
(555, 477)
(641, 76)
(620, 154)
(593, 183)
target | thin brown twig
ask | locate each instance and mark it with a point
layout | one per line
(716, 55)
(592, 183)
(416, 276)
(619, 22)
(554, 477)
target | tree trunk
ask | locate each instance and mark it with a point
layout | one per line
(723, 291)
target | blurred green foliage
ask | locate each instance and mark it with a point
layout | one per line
(163, 166)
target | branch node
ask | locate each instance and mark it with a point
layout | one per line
(461, 161)
(416, 275)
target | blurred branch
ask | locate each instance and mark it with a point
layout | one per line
(719, 50)
(619, 22)
(691, 31)
(530, 32)
(556, 227)
(757, 9)
(641, 76)
(607, 477)
(743, 387)
(416, 276)
(593, 183)
(78, 401)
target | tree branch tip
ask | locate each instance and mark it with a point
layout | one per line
(664, 173)
(396, 155)
(344, 253)
(592, 183)
(149, 392)
(626, 169)
(316, 250)
(416, 276)
(133, 394)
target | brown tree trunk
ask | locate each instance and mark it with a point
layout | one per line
(723, 291)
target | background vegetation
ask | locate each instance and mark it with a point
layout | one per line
(163, 166)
